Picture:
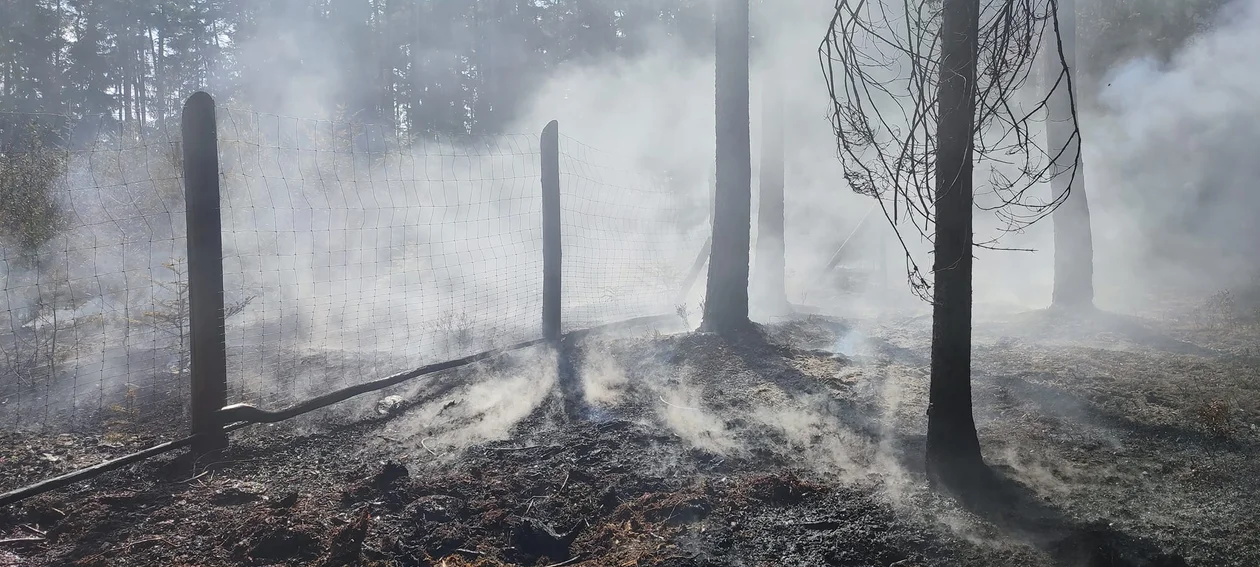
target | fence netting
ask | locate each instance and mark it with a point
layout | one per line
(629, 238)
(349, 255)
(93, 311)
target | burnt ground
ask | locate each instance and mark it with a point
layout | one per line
(1114, 441)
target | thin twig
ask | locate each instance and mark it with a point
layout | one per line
(34, 530)
(563, 563)
(22, 540)
(203, 473)
(507, 449)
(662, 399)
(885, 126)
(530, 506)
(426, 448)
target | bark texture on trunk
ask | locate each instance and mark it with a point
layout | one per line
(768, 283)
(1073, 235)
(726, 297)
(953, 448)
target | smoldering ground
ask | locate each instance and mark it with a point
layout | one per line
(359, 298)
(792, 403)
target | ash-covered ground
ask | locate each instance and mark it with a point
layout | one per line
(1114, 440)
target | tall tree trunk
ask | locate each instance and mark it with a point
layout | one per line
(142, 98)
(769, 283)
(161, 77)
(126, 101)
(1073, 236)
(953, 449)
(726, 297)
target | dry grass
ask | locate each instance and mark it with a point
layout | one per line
(1215, 415)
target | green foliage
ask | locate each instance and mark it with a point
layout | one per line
(170, 315)
(30, 174)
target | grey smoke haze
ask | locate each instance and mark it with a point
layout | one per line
(361, 269)
(651, 113)
(1171, 149)
(1166, 149)
(445, 248)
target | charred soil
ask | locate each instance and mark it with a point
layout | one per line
(1113, 441)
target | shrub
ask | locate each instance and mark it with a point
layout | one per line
(31, 172)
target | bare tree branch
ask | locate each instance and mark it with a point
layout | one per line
(881, 64)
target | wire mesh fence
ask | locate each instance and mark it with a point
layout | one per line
(628, 238)
(91, 314)
(348, 255)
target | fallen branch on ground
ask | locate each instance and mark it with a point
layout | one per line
(34, 530)
(662, 399)
(563, 563)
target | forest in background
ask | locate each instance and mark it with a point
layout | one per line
(425, 67)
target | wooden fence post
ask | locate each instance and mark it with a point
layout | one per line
(550, 146)
(205, 272)
(571, 395)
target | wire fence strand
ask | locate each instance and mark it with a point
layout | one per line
(351, 258)
(628, 239)
(89, 314)
(349, 254)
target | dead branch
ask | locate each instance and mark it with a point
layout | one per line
(662, 399)
(34, 530)
(426, 448)
(563, 563)
(882, 67)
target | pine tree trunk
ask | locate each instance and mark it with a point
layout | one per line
(160, 75)
(769, 283)
(1073, 236)
(142, 99)
(953, 448)
(726, 298)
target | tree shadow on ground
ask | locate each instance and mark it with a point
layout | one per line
(992, 494)
(999, 498)
(1083, 326)
(1064, 404)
